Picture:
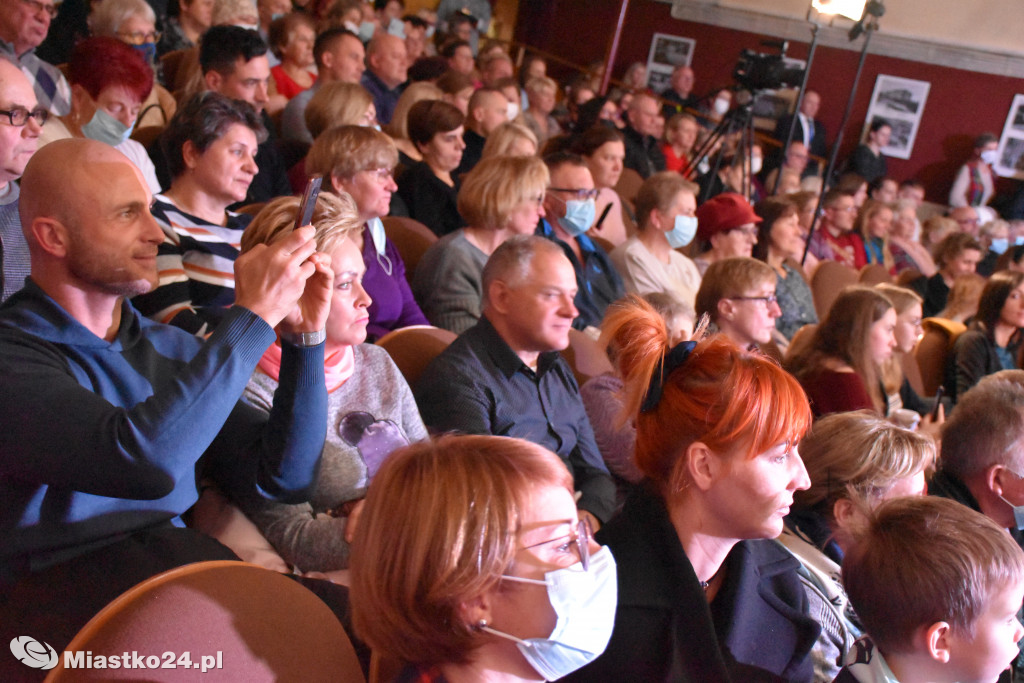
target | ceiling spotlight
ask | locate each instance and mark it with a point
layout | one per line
(851, 9)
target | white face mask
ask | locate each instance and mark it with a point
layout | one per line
(755, 165)
(512, 110)
(990, 156)
(721, 106)
(584, 602)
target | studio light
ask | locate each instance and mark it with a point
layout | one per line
(851, 9)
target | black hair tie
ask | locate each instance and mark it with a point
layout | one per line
(672, 360)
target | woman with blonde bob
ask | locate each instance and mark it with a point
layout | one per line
(499, 198)
(840, 368)
(510, 139)
(458, 539)
(700, 581)
(339, 104)
(370, 409)
(856, 461)
(360, 162)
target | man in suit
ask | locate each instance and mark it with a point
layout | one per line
(809, 130)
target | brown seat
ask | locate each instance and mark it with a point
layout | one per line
(828, 280)
(628, 185)
(907, 276)
(874, 274)
(585, 356)
(412, 348)
(169, 63)
(147, 134)
(605, 244)
(801, 338)
(932, 351)
(411, 238)
(256, 624)
(912, 372)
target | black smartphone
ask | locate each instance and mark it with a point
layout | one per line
(938, 402)
(308, 202)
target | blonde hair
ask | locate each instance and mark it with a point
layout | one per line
(902, 299)
(416, 92)
(232, 11)
(336, 104)
(730, 277)
(539, 83)
(343, 151)
(496, 186)
(858, 456)
(964, 297)
(502, 138)
(440, 526)
(335, 217)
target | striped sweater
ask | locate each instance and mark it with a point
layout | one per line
(196, 268)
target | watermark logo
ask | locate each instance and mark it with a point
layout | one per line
(33, 653)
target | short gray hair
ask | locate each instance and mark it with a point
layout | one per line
(511, 261)
(108, 16)
(987, 428)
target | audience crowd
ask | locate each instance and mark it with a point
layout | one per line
(658, 386)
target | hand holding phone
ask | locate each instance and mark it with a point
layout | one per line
(308, 203)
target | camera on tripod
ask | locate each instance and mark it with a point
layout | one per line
(763, 71)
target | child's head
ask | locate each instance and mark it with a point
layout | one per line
(931, 578)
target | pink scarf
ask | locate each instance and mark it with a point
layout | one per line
(338, 366)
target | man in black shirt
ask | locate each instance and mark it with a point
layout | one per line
(504, 376)
(643, 151)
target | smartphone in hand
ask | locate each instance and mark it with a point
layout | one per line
(308, 202)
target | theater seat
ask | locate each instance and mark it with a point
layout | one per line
(265, 626)
(412, 348)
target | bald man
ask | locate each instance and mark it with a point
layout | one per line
(110, 420)
(18, 140)
(387, 65)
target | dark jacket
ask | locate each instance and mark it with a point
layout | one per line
(757, 628)
(974, 356)
(643, 153)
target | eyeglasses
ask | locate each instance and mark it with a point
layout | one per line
(749, 231)
(37, 7)
(381, 175)
(577, 193)
(140, 38)
(19, 116)
(768, 299)
(582, 539)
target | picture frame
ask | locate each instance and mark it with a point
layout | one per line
(900, 102)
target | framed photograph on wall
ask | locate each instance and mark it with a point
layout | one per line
(900, 102)
(1011, 143)
(666, 53)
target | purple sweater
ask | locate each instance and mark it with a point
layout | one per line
(393, 306)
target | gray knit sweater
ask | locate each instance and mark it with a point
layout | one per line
(370, 415)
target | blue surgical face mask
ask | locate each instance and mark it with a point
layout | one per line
(1018, 513)
(584, 602)
(148, 51)
(103, 127)
(1018, 240)
(579, 216)
(376, 228)
(683, 231)
(999, 245)
(366, 30)
(396, 28)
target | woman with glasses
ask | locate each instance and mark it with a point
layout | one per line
(780, 244)
(370, 409)
(841, 367)
(109, 80)
(427, 188)
(470, 564)
(705, 594)
(738, 296)
(134, 23)
(359, 161)
(500, 197)
(650, 261)
(726, 228)
(210, 147)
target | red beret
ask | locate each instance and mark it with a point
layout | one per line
(724, 212)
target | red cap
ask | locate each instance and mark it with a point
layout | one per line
(724, 212)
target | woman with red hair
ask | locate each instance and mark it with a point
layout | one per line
(704, 594)
(109, 81)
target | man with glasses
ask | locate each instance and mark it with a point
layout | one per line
(738, 295)
(834, 238)
(570, 212)
(23, 26)
(21, 120)
(505, 375)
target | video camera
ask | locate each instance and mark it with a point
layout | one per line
(762, 71)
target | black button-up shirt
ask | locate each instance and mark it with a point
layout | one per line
(478, 385)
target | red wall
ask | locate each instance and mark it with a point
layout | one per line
(960, 105)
